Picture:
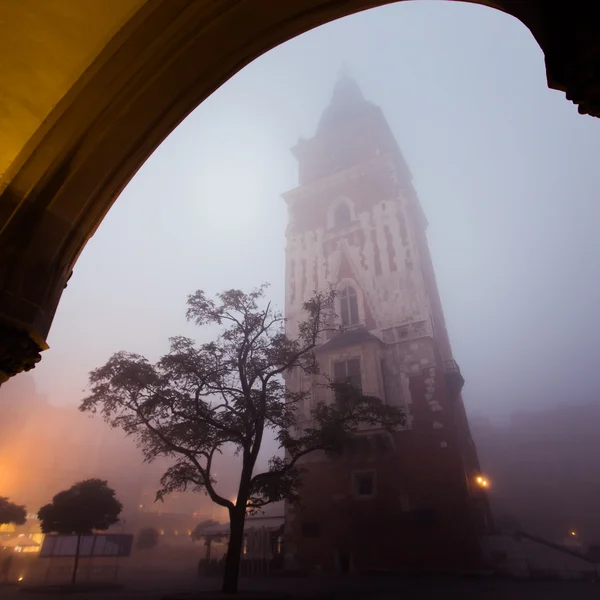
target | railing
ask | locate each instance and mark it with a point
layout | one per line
(451, 366)
(249, 567)
(453, 376)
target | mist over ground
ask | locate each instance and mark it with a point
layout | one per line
(505, 168)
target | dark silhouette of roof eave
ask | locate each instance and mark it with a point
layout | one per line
(348, 337)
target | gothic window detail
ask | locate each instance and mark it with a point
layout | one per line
(391, 385)
(342, 215)
(348, 372)
(348, 306)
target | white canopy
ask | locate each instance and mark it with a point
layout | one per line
(252, 524)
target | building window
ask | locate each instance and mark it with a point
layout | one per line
(403, 332)
(364, 484)
(342, 215)
(348, 371)
(348, 306)
(311, 530)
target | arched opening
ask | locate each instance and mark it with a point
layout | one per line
(342, 215)
(430, 111)
(348, 300)
(478, 312)
(125, 102)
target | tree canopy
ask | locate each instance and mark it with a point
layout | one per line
(11, 512)
(147, 538)
(199, 399)
(86, 506)
(198, 531)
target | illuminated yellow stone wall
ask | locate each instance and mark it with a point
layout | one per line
(45, 46)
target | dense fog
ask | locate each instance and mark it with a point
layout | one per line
(506, 172)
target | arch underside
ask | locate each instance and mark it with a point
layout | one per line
(125, 74)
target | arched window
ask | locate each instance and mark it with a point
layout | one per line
(348, 306)
(342, 215)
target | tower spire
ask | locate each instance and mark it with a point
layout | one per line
(344, 71)
(346, 90)
(347, 101)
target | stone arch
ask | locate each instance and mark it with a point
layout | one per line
(165, 58)
(340, 212)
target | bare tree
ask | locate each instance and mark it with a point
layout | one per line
(198, 399)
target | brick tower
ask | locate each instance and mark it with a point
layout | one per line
(407, 500)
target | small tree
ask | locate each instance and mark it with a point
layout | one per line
(147, 538)
(86, 506)
(11, 512)
(198, 531)
(198, 399)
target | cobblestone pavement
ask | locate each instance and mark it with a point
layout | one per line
(349, 589)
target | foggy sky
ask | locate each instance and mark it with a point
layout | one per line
(506, 170)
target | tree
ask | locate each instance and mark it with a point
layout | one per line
(86, 506)
(11, 512)
(198, 531)
(198, 399)
(147, 538)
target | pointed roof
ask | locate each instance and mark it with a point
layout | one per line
(347, 103)
(346, 91)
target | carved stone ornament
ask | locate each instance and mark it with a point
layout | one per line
(18, 351)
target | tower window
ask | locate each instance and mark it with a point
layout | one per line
(342, 215)
(347, 372)
(364, 484)
(348, 306)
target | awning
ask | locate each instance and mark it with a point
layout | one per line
(252, 524)
(20, 540)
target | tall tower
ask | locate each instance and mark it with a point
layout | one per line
(407, 499)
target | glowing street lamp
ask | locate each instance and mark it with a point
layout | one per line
(573, 533)
(482, 482)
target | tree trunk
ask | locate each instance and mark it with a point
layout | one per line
(234, 551)
(76, 563)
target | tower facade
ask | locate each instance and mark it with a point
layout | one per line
(407, 499)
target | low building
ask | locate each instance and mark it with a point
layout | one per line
(543, 471)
